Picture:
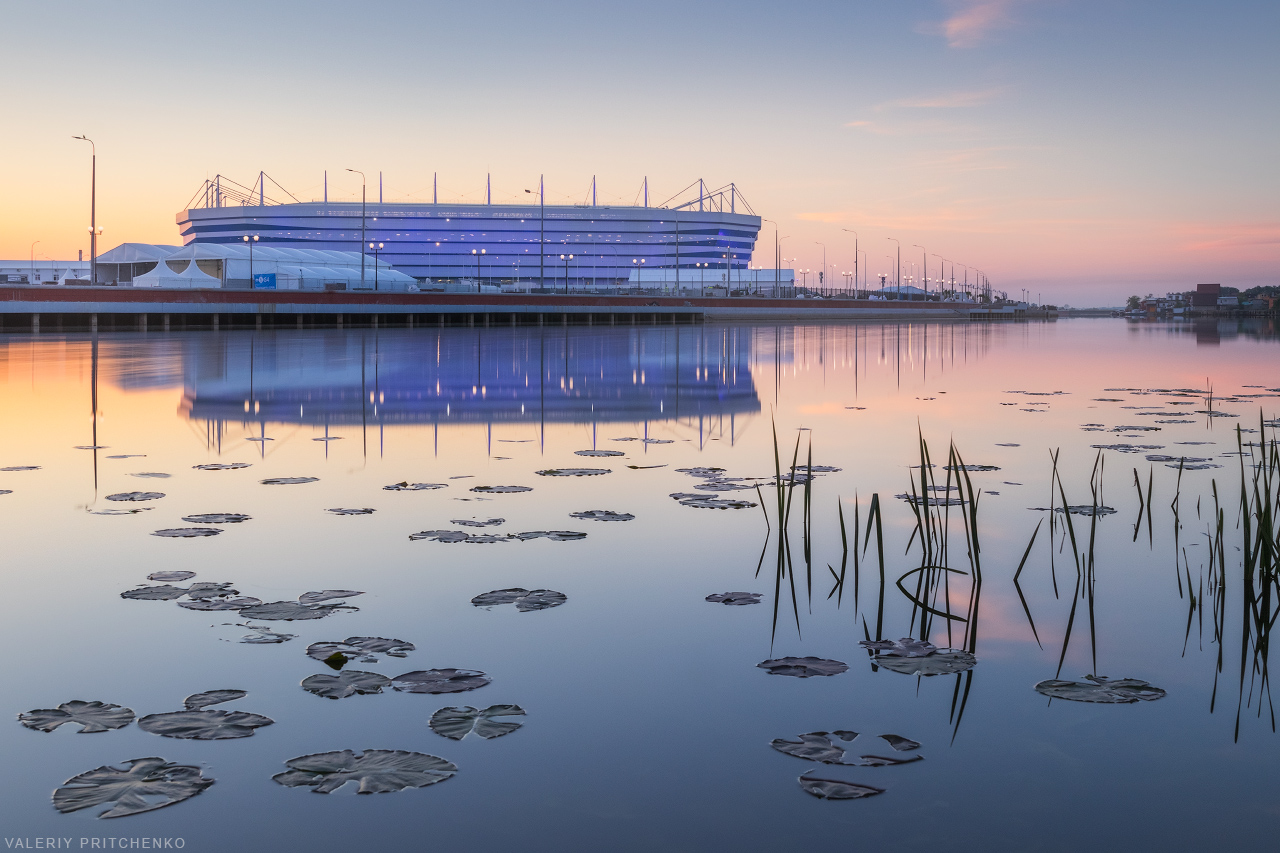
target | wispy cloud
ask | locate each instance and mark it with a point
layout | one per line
(972, 22)
(1213, 237)
(951, 100)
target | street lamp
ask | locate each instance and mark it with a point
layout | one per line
(823, 274)
(566, 259)
(855, 259)
(542, 233)
(377, 247)
(924, 271)
(93, 211)
(362, 189)
(638, 262)
(897, 278)
(477, 255)
(252, 284)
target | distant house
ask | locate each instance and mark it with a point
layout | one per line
(1206, 295)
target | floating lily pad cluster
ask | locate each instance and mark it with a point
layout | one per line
(736, 598)
(1100, 689)
(827, 748)
(523, 599)
(454, 536)
(701, 501)
(918, 657)
(602, 515)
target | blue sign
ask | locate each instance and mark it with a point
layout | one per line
(264, 281)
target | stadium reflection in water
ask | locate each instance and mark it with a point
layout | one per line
(470, 376)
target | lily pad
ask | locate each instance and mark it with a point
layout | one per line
(186, 532)
(597, 453)
(222, 466)
(134, 511)
(698, 501)
(327, 595)
(836, 789)
(161, 592)
(345, 684)
(901, 744)
(205, 591)
(815, 746)
(217, 604)
(805, 667)
(817, 469)
(37, 467)
(127, 456)
(941, 662)
(971, 467)
(290, 611)
(931, 500)
(523, 599)
(456, 723)
(701, 472)
(6, 491)
(602, 515)
(288, 481)
(136, 496)
(501, 490)
(263, 636)
(486, 539)
(259, 438)
(204, 724)
(553, 535)
(440, 681)
(406, 486)
(376, 771)
(906, 647)
(1080, 509)
(1128, 448)
(90, 447)
(1098, 688)
(170, 577)
(328, 438)
(440, 535)
(736, 597)
(342, 510)
(196, 701)
(144, 785)
(91, 716)
(151, 475)
(724, 486)
(216, 518)
(363, 649)
(476, 522)
(572, 472)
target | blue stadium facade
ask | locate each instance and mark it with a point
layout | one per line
(527, 245)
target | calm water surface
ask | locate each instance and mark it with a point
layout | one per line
(648, 722)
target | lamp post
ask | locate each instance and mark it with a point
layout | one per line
(822, 275)
(864, 275)
(777, 261)
(362, 189)
(638, 262)
(478, 256)
(897, 277)
(855, 259)
(542, 233)
(944, 271)
(924, 269)
(377, 247)
(33, 263)
(251, 242)
(93, 210)
(566, 259)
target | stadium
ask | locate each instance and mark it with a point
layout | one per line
(700, 233)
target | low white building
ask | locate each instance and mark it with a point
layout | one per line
(43, 271)
(236, 266)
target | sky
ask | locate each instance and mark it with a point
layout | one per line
(1080, 150)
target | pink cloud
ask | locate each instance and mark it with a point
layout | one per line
(972, 21)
